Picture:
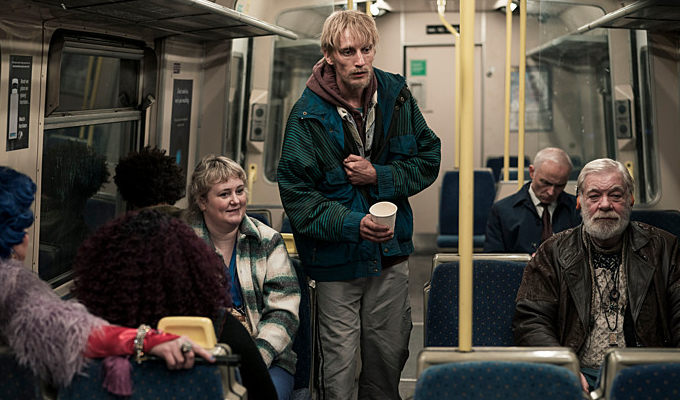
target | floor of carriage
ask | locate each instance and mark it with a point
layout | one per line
(419, 268)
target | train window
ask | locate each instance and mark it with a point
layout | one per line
(594, 113)
(292, 64)
(647, 177)
(85, 88)
(92, 118)
(241, 49)
(579, 85)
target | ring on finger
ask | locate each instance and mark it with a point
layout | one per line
(186, 347)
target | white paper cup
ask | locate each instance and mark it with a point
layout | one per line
(384, 213)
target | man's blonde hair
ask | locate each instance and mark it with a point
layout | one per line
(360, 24)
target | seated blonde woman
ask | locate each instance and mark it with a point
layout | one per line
(145, 265)
(264, 286)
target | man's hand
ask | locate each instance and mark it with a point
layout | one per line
(584, 384)
(373, 232)
(359, 171)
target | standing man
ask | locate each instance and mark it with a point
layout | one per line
(521, 222)
(607, 283)
(356, 137)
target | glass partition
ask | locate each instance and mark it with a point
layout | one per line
(292, 66)
(598, 83)
(577, 83)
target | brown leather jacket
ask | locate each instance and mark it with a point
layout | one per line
(553, 301)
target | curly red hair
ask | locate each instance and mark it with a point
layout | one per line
(145, 265)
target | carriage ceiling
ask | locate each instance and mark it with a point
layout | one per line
(197, 19)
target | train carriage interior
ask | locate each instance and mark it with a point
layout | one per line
(85, 82)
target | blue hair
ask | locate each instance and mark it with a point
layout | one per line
(17, 192)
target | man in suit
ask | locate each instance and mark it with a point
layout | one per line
(521, 222)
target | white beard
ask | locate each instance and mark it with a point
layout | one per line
(602, 229)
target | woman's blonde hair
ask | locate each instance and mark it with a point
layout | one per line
(212, 169)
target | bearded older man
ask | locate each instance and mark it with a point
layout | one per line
(607, 283)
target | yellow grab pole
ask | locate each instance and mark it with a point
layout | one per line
(368, 8)
(508, 77)
(522, 89)
(350, 5)
(441, 6)
(466, 212)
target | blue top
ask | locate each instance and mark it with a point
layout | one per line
(235, 289)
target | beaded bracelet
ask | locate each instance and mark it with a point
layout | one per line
(138, 343)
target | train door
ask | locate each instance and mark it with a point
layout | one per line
(430, 73)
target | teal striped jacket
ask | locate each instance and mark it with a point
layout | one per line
(325, 210)
(269, 287)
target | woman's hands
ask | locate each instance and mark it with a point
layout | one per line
(175, 358)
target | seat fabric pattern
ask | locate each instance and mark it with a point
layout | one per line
(17, 382)
(648, 381)
(494, 292)
(497, 380)
(150, 381)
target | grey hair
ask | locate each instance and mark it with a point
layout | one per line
(602, 165)
(555, 155)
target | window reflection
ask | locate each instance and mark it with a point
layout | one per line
(96, 82)
(292, 65)
(78, 193)
(95, 123)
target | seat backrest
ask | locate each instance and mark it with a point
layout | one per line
(152, 379)
(618, 360)
(494, 292)
(262, 215)
(484, 194)
(638, 382)
(668, 220)
(497, 380)
(496, 164)
(285, 224)
(513, 174)
(17, 382)
(560, 356)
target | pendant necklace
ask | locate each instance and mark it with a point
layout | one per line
(612, 306)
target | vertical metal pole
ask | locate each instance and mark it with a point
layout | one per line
(522, 88)
(466, 212)
(508, 77)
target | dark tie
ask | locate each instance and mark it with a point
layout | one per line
(547, 226)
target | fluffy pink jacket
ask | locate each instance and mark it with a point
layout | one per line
(46, 334)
